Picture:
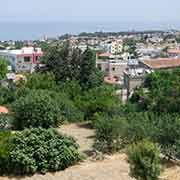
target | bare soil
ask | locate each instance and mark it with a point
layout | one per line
(113, 167)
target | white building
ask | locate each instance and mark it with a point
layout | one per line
(24, 59)
(116, 47)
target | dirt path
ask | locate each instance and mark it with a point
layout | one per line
(83, 134)
(112, 168)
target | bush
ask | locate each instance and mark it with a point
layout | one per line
(71, 88)
(37, 109)
(39, 150)
(167, 134)
(41, 81)
(6, 121)
(144, 161)
(6, 96)
(108, 130)
(114, 133)
(69, 112)
(3, 68)
(138, 126)
(98, 100)
(5, 148)
(161, 93)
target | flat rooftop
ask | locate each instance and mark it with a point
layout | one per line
(173, 51)
(162, 63)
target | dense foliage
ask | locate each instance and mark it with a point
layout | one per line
(37, 109)
(6, 121)
(63, 61)
(152, 112)
(90, 77)
(108, 130)
(7, 96)
(99, 99)
(144, 159)
(40, 81)
(37, 150)
(69, 64)
(5, 148)
(162, 92)
(3, 68)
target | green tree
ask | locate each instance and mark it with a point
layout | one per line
(63, 61)
(87, 68)
(36, 109)
(41, 81)
(161, 93)
(3, 68)
(144, 159)
(7, 95)
(99, 99)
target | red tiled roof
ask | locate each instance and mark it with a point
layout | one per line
(105, 55)
(3, 110)
(162, 63)
(174, 51)
(110, 80)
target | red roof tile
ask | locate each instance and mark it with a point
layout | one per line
(105, 55)
(162, 63)
(174, 51)
(3, 110)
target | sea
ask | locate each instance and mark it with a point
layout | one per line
(37, 30)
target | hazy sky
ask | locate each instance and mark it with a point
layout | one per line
(90, 10)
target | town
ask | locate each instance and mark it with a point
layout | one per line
(124, 58)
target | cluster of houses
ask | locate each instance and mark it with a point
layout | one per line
(130, 73)
(156, 51)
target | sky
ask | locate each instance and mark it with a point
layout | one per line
(90, 10)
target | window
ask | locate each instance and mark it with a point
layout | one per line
(99, 67)
(113, 69)
(19, 60)
(27, 59)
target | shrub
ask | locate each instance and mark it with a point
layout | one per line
(71, 88)
(100, 99)
(38, 150)
(144, 160)
(69, 112)
(6, 96)
(161, 93)
(5, 148)
(41, 81)
(138, 126)
(6, 121)
(37, 109)
(108, 133)
(167, 134)
(3, 68)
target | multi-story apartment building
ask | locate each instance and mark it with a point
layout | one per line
(24, 59)
(113, 47)
(116, 47)
(136, 71)
(112, 66)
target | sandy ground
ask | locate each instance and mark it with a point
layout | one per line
(114, 167)
(83, 135)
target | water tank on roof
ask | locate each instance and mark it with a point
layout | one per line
(133, 62)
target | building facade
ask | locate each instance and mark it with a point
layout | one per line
(25, 59)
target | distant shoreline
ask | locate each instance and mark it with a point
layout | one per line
(36, 30)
